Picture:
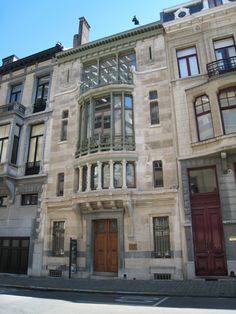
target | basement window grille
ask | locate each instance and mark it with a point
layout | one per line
(55, 273)
(162, 276)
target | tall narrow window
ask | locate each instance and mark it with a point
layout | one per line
(29, 199)
(58, 233)
(118, 174)
(105, 175)
(128, 102)
(203, 116)
(187, 62)
(84, 178)
(130, 175)
(154, 108)
(4, 134)
(15, 144)
(35, 154)
(161, 233)
(15, 95)
(227, 100)
(41, 93)
(64, 125)
(60, 184)
(94, 176)
(157, 173)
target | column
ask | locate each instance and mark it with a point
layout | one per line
(124, 186)
(80, 178)
(88, 177)
(99, 175)
(111, 175)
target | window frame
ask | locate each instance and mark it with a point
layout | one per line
(229, 107)
(156, 168)
(58, 241)
(160, 238)
(36, 144)
(2, 140)
(197, 115)
(154, 102)
(224, 48)
(64, 125)
(16, 95)
(32, 199)
(60, 183)
(187, 57)
(213, 3)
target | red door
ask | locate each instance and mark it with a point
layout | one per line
(105, 246)
(208, 235)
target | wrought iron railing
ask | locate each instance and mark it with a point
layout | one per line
(103, 81)
(101, 143)
(15, 106)
(221, 66)
(32, 168)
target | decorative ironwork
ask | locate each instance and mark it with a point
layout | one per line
(221, 66)
(105, 143)
(32, 168)
(15, 106)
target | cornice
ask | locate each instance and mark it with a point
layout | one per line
(124, 38)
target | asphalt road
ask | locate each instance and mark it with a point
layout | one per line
(17, 301)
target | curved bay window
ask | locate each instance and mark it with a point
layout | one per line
(227, 101)
(106, 123)
(203, 117)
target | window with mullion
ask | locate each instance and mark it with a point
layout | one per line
(161, 233)
(227, 102)
(58, 234)
(203, 117)
(41, 93)
(158, 173)
(187, 62)
(15, 95)
(36, 144)
(4, 134)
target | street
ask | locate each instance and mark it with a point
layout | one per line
(19, 301)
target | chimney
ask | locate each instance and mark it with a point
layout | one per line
(83, 36)
(9, 59)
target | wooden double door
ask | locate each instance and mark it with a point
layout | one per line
(208, 235)
(105, 246)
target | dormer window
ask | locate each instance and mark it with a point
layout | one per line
(214, 3)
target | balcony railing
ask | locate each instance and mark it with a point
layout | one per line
(106, 80)
(15, 106)
(221, 66)
(32, 168)
(101, 143)
(40, 105)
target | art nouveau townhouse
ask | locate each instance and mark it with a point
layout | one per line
(25, 122)
(200, 38)
(112, 183)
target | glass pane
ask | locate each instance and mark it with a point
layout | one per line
(128, 102)
(84, 178)
(183, 68)
(117, 123)
(232, 52)
(4, 130)
(94, 177)
(186, 52)
(229, 119)
(15, 243)
(4, 150)
(205, 127)
(158, 173)
(130, 175)
(39, 153)
(154, 112)
(100, 226)
(193, 65)
(223, 43)
(39, 92)
(105, 176)
(128, 122)
(118, 177)
(6, 242)
(113, 226)
(117, 101)
(24, 243)
(202, 180)
(153, 95)
(32, 149)
(37, 129)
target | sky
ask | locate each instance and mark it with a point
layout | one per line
(30, 26)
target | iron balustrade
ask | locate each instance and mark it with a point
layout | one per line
(101, 143)
(107, 80)
(15, 106)
(221, 66)
(32, 168)
(40, 105)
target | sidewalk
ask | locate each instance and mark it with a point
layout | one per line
(220, 288)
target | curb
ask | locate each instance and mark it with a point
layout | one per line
(39, 288)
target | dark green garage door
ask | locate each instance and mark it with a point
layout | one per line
(14, 255)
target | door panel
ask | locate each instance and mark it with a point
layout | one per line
(105, 246)
(208, 236)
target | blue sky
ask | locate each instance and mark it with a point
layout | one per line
(29, 26)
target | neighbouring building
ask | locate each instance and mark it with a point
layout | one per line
(25, 123)
(200, 39)
(112, 183)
